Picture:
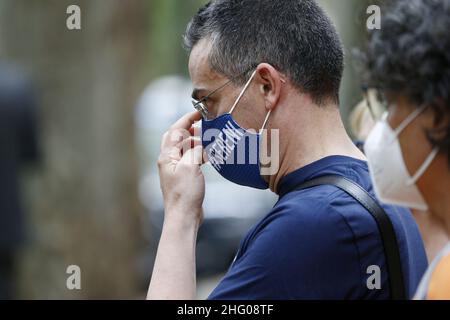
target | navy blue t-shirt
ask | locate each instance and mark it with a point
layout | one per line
(318, 243)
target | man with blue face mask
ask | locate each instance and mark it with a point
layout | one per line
(266, 76)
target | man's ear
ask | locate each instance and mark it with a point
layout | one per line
(270, 82)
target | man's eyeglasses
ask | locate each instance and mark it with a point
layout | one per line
(201, 106)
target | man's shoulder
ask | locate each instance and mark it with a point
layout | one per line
(328, 205)
(309, 243)
(309, 216)
(324, 212)
(324, 203)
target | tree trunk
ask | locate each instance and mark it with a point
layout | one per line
(83, 207)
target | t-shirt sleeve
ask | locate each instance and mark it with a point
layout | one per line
(439, 287)
(298, 254)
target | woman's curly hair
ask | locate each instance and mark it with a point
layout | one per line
(410, 56)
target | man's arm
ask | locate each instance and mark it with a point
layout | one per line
(183, 188)
(174, 271)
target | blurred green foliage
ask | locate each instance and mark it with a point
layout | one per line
(168, 20)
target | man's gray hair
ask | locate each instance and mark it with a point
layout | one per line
(294, 36)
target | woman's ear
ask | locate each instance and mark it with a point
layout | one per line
(270, 82)
(438, 121)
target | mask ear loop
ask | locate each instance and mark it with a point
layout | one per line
(268, 113)
(409, 119)
(404, 123)
(430, 157)
(265, 121)
(242, 92)
(423, 167)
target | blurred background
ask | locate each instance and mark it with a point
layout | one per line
(83, 114)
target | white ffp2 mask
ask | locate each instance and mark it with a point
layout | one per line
(393, 183)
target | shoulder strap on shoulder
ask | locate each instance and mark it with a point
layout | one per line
(387, 232)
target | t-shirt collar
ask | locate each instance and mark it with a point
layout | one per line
(324, 166)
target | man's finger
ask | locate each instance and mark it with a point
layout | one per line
(174, 137)
(190, 143)
(196, 129)
(173, 153)
(187, 121)
(193, 156)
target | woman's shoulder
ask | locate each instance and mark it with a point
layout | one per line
(435, 284)
(439, 285)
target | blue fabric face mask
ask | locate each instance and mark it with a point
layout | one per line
(233, 151)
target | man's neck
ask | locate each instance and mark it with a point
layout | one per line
(308, 135)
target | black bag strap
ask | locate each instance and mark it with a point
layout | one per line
(388, 237)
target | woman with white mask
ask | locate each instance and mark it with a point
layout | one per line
(408, 63)
(362, 121)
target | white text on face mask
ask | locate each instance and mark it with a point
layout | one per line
(224, 145)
